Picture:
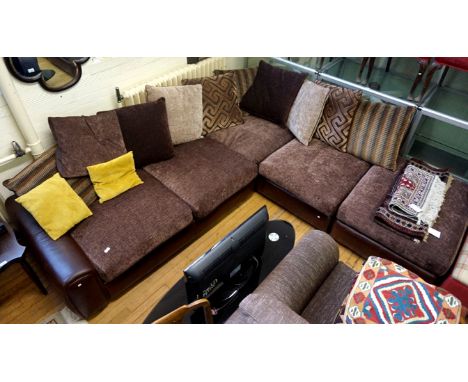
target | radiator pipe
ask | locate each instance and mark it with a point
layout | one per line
(18, 111)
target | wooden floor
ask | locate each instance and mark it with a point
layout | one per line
(21, 302)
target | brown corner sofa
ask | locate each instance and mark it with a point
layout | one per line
(144, 227)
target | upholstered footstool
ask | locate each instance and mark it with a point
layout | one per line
(457, 282)
(387, 293)
(357, 229)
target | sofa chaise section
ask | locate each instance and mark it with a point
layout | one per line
(356, 228)
(311, 181)
(255, 139)
(204, 173)
(146, 216)
(308, 286)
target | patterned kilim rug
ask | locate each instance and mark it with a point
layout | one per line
(64, 316)
(387, 293)
(413, 205)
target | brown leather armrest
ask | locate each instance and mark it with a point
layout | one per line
(63, 260)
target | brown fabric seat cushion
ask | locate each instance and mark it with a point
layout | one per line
(325, 305)
(255, 139)
(204, 173)
(436, 255)
(317, 174)
(131, 225)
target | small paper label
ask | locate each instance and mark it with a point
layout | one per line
(434, 232)
(107, 250)
(415, 207)
(31, 70)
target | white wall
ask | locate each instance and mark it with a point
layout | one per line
(94, 92)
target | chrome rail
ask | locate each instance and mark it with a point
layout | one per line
(385, 97)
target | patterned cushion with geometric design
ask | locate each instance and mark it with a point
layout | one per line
(244, 79)
(220, 103)
(387, 293)
(337, 116)
(42, 169)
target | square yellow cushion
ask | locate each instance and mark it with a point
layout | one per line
(114, 177)
(55, 206)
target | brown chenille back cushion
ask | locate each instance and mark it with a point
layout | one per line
(146, 132)
(272, 93)
(85, 141)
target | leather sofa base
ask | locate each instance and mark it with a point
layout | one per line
(365, 247)
(288, 201)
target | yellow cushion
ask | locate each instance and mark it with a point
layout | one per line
(55, 206)
(114, 177)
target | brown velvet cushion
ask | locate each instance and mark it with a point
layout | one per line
(326, 303)
(316, 174)
(244, 79)
(436, 255)
(145, 131)
(204, 173)
(377, 132)
(42, 169)
(255, 139)
(272, 93)
(220, 104)
(85, 141)
(337, 117)
(131, 225)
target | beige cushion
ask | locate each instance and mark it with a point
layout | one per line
(306, 111)
(184, 110)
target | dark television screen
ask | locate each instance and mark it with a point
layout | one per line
(229, 270)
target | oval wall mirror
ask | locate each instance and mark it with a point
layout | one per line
(53, 73)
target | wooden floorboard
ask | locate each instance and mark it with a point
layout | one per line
(21, 302)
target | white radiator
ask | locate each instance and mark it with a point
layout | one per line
(204, 68)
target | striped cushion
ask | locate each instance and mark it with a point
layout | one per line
(460, 271)
(377, 132)
(220, 103)
(42, 169)
(333, 128)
